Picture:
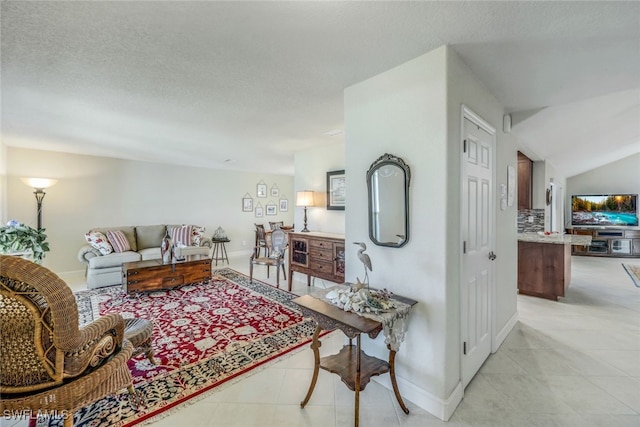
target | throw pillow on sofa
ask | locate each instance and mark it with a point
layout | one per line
(197, 234)
(181, 236)
(98, 241)
(118, 240)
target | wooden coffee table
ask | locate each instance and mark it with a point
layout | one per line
(152, 275)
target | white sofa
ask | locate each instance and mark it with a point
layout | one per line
(144, 240)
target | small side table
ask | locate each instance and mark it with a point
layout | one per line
(353, 365)
(219, 252)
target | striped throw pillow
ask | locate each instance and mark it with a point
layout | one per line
(118, 240)
(181, 236)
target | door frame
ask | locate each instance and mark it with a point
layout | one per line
(467, 113)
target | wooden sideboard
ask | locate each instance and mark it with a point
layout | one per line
(316, 254)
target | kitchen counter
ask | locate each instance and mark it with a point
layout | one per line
(558, 239)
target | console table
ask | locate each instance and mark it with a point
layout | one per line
(316, 254)
(353, 365)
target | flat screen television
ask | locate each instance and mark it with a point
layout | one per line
(614, 210)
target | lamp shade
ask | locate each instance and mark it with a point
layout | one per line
(39, 183)
(304, 198)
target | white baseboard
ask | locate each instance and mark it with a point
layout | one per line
(441, 408)
(246, 252)
(502, 335)
(65, 275)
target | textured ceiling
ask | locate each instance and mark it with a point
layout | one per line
(243, 85)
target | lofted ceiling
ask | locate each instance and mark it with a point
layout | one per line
(244, 85)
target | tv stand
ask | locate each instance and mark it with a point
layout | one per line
(609, 242)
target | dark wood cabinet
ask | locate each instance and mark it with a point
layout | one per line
(609, 242)
(318, 255)
(525, 181)
(544, 269)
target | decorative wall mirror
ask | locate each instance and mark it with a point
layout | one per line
(388, 188)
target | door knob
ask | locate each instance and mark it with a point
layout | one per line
(492, 256)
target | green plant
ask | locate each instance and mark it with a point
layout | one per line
(16, 237)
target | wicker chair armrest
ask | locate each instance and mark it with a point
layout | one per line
(102, 325)
(87, 252)
(90, 347)
(112, 376)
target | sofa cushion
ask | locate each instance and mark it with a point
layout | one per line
(98, 241)
(150, 253)
(197, 234)
(192, 250)
(118, 240)
(149, 236)
(181, 236)
(115, 259)
(129, 232)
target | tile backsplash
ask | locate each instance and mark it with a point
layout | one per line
(525, 225)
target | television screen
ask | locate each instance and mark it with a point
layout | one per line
(604, 210)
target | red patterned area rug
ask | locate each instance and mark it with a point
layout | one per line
(205, 335)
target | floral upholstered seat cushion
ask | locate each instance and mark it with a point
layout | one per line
(99, 241)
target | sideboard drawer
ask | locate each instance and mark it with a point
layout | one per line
(321, 267)
(320, 255)
(320, 244)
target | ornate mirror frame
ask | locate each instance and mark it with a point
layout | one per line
(397, 210)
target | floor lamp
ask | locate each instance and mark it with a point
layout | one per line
(39, 185)
(304, 199)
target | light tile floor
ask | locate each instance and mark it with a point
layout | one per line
(575, 362)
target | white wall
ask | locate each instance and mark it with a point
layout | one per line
(100, 191)
(413, 111)
(403, 112)
(622, 176)
(311, 168)
(465, 88)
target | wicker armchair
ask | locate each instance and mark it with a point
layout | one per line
(48, 364)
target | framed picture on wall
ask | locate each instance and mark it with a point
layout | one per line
(284, 205)
(261, 189)
(275, 191)
(247, 203)
(272, 209)
(259, 212)
(336, 190)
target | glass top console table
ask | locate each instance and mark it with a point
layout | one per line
(351, 363)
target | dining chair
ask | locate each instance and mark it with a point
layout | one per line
(261, 240)
(274, 258)
(276, 224)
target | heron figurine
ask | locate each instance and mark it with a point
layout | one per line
(365, 260)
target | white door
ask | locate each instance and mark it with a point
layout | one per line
(477, 233)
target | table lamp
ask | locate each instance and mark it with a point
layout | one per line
(304, 199)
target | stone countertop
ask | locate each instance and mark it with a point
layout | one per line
(558, 239)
